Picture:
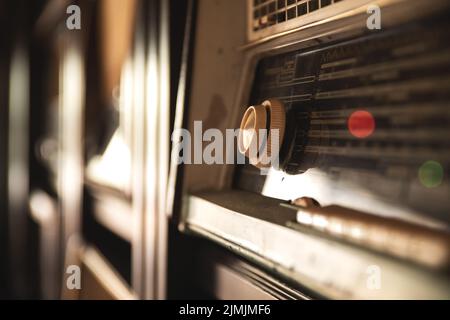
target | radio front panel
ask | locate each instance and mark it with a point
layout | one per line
(368, 121)
(362, 176)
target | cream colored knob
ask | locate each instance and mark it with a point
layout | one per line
(258, 147)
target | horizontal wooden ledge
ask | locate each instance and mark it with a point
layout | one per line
(104, 275)
(254, 226)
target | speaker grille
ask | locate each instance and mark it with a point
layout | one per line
(267, 13)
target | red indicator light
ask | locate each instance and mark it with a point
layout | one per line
(361, 124)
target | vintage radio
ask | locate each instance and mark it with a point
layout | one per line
(358, 92)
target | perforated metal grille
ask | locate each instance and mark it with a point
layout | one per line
(267, 13)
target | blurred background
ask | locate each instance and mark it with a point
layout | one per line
(87, 98)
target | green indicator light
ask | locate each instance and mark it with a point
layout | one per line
(431, 174)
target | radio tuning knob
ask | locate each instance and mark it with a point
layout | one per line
(269, 115)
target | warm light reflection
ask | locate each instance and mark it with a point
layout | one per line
(356, 232)
(70, 160)
(335, 227)
(320, 222)
(113, 168)
(304, 218)
(42, 208)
